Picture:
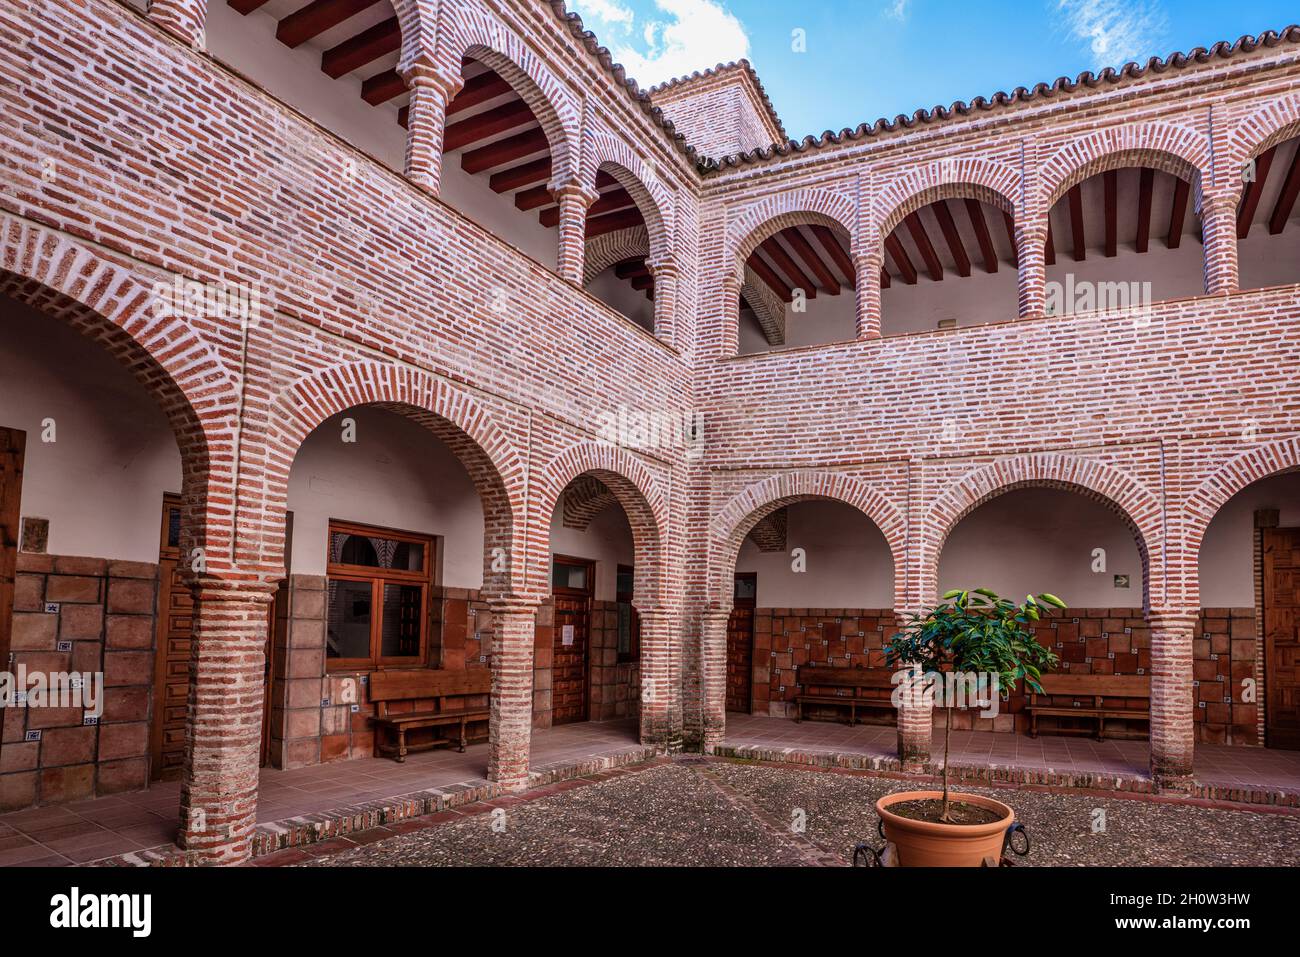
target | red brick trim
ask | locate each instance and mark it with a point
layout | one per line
(1276, 121)
(988, 181)
(765, 217)
(737, 518)
(633, 174)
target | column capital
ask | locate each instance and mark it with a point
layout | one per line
(513, 604)
(1221, 199)
(423, 72)
(1173, 619)
(573, 190)
(665, 266)
(228, 587)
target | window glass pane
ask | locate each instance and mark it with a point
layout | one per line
(348, 634)
(745, 587)
(375, 551)
(569, 576)
(624, 586)
(173, 527)
(400, 626)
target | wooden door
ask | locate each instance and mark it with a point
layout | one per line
(569, 665)
(1282, 637)
(13, 442)
(740, 644)
(174, 636)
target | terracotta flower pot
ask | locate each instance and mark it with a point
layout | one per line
(930, 844)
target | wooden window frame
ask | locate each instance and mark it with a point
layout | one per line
(378, 578)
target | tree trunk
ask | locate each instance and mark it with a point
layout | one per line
(947, 736)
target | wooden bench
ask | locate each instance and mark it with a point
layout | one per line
(1102, 689)
(387, 687)
(844, 687)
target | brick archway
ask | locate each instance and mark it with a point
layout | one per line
(1140, 509)
(755, 502)
(458, 419)
(638, 492)
(965, 177)
(1176, 150)
(469, 32)
(106, 303)
(635, 176)
(1273, 123)
(768, 216)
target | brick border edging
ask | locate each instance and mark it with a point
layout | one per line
(326, 825)
(1002, 777)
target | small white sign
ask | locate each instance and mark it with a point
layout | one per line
(566, 634)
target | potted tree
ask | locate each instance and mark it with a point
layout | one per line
(972, 639)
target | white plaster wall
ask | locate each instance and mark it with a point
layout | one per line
(607, 540)
(396, 475)
(248, 44)
(1041, 540)
(101, 482)
(848, 564)
(1266, 260)
(619, 295)
(1227, 554)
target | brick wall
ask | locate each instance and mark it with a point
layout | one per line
(106, 614)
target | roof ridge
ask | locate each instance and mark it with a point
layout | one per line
(1130, 70)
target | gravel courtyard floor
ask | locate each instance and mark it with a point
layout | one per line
(696, 813)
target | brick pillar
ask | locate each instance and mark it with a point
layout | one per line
(426, 121)
(224, 729)
(732, 280)
(184, 19)
(1219, 226)
(915, 728)
(866, 268)
(511, 719)
(661, 710)
(666, 275)
(1031, 257)
(574, 200)
(1172, 698)
(713, 673)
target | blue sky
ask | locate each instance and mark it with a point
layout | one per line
(870, 58)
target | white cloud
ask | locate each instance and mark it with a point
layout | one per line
(897, 9)
(1116, 30)
(682, 36)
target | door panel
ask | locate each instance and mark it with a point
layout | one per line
(1282, 637)
(569, 661)
(740, 645)
(12, 445)
(171, 671)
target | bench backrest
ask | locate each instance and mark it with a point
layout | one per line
(811, 676)
(428, 683)
(1108, 686)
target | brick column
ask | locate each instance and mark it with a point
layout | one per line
(1031, 276)
(1172, 698)
(915, 728)
(184, 19)
(660, 683)
(666, 275)
(574, 200)
(511, 720)
(713, 673)
(866, 268)
(426, 121)
(732, 280)
(1219, 225)
(224, 731)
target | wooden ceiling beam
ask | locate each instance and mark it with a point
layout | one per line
(533, 198)
(480, 126)
(904, 265)
(623, 219)
(382, 87)
(828, 280)
(924, 246)
(615, 199)
(1287, 197)
(631, 268)
(787, 265)
(769, 276)
(1146, 190)
(245, 7)
(1177, 213)
(1009, 222)
(975, 211)
(831, 243)
(1110, 190)
(311, 21)
(884, 278)
(478, 89)
(517, 177)
(953, 238)
(1254, 190)
(504, 151)
(1076, 223)
(366, 47)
